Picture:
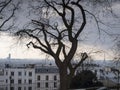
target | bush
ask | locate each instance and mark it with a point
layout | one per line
(85, 79)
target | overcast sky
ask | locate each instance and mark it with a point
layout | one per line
(8, 44)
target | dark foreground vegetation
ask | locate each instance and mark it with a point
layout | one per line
(85, 79)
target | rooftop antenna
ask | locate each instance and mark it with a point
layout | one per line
(104, 59)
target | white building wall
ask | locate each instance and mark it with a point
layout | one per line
(2, 79)
(50, 81)
(24, 78)
(2, 82)
(6, 77)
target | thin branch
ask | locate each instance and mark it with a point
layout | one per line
(37, 47)
(44, 24)
(8, 18)
(84, 19)
(23, 31)
(84, 57)
(97, 22)
(5, 5)
(52, 7)
(46, 41)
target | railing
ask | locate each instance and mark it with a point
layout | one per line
(26, 86)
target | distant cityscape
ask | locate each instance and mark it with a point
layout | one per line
(24, 74)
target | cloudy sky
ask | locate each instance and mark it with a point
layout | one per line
(97, 47)
(10, 45)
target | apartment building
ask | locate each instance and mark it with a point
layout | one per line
(19, 78)
(47, 78)
(29, 77)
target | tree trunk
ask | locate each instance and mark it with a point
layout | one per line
(64, 79)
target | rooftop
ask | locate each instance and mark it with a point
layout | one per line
(46, 69)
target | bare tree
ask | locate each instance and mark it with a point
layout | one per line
(56, 32)
(7, 12)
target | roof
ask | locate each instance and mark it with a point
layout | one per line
(45, 69)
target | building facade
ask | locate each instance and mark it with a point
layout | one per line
(47, 78)
(2, 79)
(29, 77)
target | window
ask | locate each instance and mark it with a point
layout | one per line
(46, 85)
(6, 73)
(47, 77)
(19, 73)
(55, 84)
(19, 81)
(25, 81)
(11, 88)
(30, 73)
(12, 73)
(6, 88)
(29, 88)
(19, 88)
(55, 77)
(25, 73)
(12, 81)
(38, 77)
(6, 81)
(30, 81)
(38, 85)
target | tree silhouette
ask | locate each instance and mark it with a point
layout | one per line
(56, 32)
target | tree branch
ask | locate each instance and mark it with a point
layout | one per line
(13, 12)
(37, 47)
(84, 19)
(5, 5)
(30, 35)
(48, 3)
(84, 57)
